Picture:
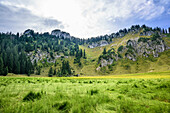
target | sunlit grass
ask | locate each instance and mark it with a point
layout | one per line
(85, 94)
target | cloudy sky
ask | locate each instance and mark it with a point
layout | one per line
(82, 18)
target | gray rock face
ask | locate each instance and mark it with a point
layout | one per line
(144, 48)
(60, 34)
(99, 44)
(148, 33)
(40, 55)
(105, 62)
(29, 33)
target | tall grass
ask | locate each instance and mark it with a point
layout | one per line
(84, 95)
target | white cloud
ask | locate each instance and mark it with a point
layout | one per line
(86, 18)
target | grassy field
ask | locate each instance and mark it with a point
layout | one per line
(145, 92)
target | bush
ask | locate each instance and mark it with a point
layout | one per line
(143, 40)
(155, 37)
(92, 92)
(120, 48)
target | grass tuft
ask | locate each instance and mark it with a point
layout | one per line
(31, 96)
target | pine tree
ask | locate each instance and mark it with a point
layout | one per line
(15, 63)
(1, 66)
(4, 59)
(55, 72)
(22, 62)
(50, 73)
(10, 63)
(29, 67)
(81, 53)
(166, 31)
(84, 55)
(104, 51)
(29, 73)
(5, 71)
(68, 67)
(163, 31)
(18, 68)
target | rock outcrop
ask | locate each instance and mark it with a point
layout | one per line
(99, 44)
(135, 48)
(29, 33)
(60, 34)
(41, 55)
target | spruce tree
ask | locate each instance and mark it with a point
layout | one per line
(104, 51)
(18, 68)
(81, 53)
(4, 56)
(84, 55)
(15, 64)
(166, 31)
(50, 73)
(163, 31)
(29, 73)
(10, 63)
(1, 66)
(5, 71)
(55, 72)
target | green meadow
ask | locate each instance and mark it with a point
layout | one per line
(85, 94)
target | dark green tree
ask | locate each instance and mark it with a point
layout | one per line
(38, 70)
(15, 62)
(84, 55)
(163, 31)
(5, 71)
(29, 67)
(104, 51)
(65, 69)
(50, 73)
(29, 73)
(81, 53)
(120, 48)
(18, 68)
(166, 31)
(10, 63)
(1, 66)
(55, 72)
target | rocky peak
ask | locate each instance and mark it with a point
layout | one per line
(60, 34)
(29, 33)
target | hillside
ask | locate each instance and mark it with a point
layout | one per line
(124, 66)
(138, 49)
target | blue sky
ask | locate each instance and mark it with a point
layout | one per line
(82, 18)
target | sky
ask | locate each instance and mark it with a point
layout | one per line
(82, 18)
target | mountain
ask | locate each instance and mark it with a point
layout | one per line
(134, 50)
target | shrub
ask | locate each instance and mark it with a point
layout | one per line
(120, 48)
(143, 40)
(155, 37)
(92, 92)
